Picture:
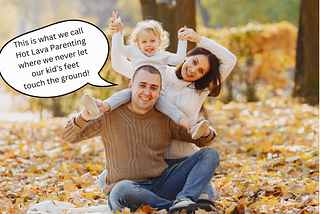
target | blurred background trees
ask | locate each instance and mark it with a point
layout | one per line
(174, 14)
(307, 67)
(262, 34)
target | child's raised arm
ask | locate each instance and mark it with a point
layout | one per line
(117, 38)
(119, 62)
(115, 25)
(177, 59)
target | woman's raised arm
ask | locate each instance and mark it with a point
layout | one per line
(226, 58)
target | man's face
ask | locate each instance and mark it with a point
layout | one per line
(145, 90)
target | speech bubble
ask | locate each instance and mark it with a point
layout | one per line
(56, 59)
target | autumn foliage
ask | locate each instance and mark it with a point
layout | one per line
(269, 161)
(266, 54)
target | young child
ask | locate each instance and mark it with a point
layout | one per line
(151, 40)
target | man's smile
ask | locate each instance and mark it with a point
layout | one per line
(145, 99)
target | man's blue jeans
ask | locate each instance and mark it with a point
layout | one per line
(186, 180)
(210, 189)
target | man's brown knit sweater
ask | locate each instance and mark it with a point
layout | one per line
(134, 143)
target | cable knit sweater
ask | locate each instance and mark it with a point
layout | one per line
(181, 93)
(134, 143)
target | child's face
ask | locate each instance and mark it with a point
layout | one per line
(148, 42)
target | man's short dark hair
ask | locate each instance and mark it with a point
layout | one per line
(148, 68)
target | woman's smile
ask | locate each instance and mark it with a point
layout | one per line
(195, 67)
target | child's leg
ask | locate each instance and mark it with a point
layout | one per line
(164, 106)
(91, 105)
(116, 100)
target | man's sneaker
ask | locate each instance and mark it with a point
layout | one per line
(198, 129)
(189, 206)
(207, 201)
(91, 105)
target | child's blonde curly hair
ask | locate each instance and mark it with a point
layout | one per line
(155, 27)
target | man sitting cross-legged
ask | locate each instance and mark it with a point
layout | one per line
(135, 138)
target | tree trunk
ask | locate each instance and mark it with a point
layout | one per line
(57, 107)
(186, 16)
(171, 18)
(149, 9)
(167, 18)
(307, 59)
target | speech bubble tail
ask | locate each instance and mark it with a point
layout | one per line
(100, 82)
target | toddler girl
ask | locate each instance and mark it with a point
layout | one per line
(150, 40)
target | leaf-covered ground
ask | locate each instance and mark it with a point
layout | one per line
(269, 161)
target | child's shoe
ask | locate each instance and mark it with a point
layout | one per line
(198, 129)
(91, 105)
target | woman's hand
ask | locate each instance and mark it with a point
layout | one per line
(115, 25)
(188, 33)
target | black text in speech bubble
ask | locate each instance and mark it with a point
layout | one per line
(55, 60)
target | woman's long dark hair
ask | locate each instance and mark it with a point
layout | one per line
(212, 80)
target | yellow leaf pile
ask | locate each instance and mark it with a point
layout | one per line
(269, 156)
(36, 166)
(269, 161)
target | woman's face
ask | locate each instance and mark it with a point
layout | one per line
(195, 67)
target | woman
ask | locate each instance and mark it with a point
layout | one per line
(199, 76)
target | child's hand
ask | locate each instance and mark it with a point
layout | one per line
(115, 25)
(188, 33)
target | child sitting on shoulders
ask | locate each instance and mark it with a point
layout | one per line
(150, 40)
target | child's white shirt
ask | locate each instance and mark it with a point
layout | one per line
(159, 60)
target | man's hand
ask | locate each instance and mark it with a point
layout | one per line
(206, 133)
(85, 113)
(194, 122)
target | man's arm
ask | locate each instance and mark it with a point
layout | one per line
(181, 134)
(81, 127)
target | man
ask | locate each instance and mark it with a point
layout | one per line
(135, 137)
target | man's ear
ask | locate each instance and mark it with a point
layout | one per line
(130, 85)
